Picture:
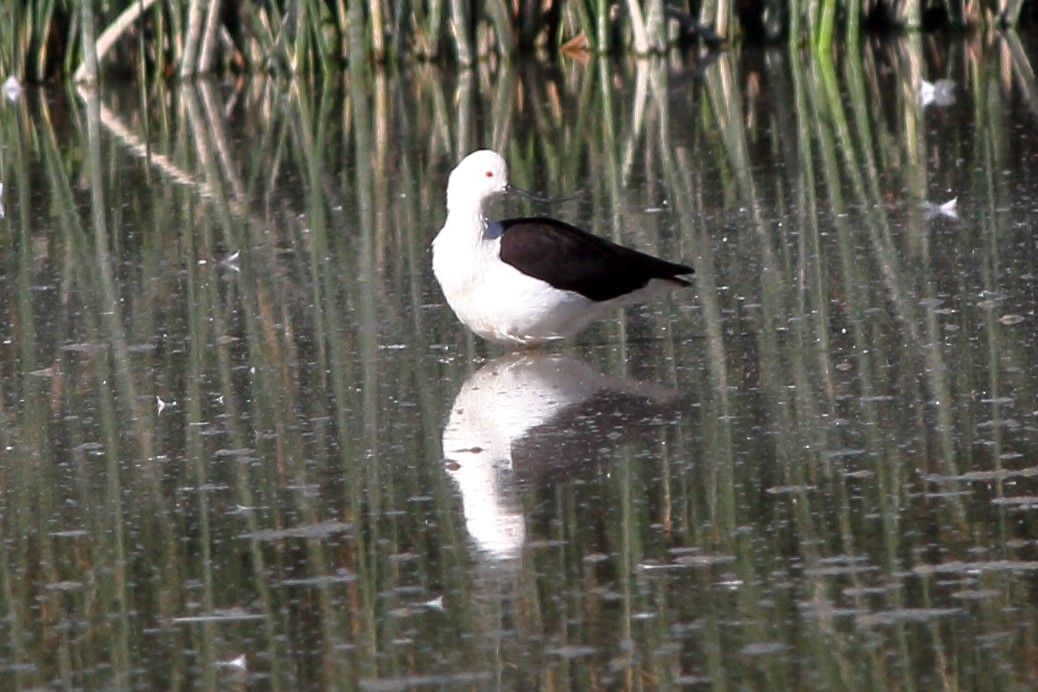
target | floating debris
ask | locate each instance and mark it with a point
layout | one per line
(341, 576)
(790, 489)
(570, 651)
(239, 663)
(12, 89)
(763, 648)
(86, 347)
(948, 209)
(975, 568)
(322, 529)
(3, 212)
(473, 679)
(228, 615)
(577, 47)
(1011, 319)
(230, 262)
(939, 93)
(903, 615)
(243, 509)
(704, 560)
(66, 586)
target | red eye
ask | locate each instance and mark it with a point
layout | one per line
(490, 174)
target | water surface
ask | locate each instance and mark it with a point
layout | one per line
(246, 443)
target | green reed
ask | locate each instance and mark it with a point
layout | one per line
(144, 38)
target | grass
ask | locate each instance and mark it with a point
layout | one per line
(145, 39)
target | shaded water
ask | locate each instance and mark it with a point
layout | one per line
(238, 420)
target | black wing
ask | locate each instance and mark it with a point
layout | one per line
(572, 259)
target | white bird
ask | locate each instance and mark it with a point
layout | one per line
(531, 281)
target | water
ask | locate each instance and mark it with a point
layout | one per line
(245, 442)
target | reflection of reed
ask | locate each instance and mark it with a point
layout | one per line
(1022, 68)
(136, 145)
(209, 137)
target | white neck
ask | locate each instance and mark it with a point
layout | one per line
(467, 219)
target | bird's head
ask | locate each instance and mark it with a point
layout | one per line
(480, 177)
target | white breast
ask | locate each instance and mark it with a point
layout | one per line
(497, 301)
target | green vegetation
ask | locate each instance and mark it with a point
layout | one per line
(149, 39)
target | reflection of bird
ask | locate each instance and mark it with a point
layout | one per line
(532, 280)
(534, 417)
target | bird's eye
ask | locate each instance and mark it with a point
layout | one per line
(490, 174)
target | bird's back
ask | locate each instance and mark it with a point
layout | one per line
(572, 259)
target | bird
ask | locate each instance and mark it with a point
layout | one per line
(532, 281)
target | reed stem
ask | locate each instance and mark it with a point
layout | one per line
(199, 36)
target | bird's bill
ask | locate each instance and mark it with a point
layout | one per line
(520, 192)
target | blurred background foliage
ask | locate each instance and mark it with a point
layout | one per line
(46, 39)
